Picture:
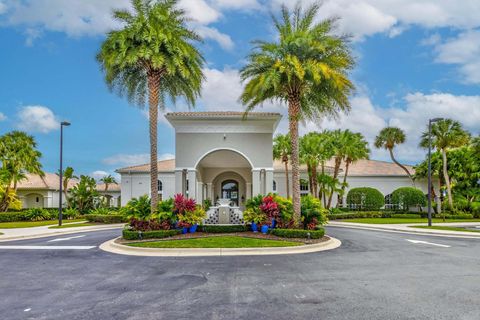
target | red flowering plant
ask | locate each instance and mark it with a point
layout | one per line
(187, 211)
(270, 208)
(182, 204)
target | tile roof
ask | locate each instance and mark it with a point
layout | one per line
(51, 181)
(359, 168)
(111, 187)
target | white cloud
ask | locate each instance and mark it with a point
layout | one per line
(3, 7)
(99, 174)
(200, 11)
(133, 159)
(3, 117)
(237, 4)
(222, 39)
(31, 35)
(464, 51)
(37, 119)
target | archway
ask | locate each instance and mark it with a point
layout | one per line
(34, 200)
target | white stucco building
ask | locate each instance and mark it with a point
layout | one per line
(222, 155)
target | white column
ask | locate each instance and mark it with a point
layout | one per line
(256, 183)
(210, 192)
(178, 181)
(192, 183)
(248, 194)
(269, 181)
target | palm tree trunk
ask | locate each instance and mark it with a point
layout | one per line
(310, 179)
(287, 179)
(338, 162)
(347, 166)
(315, 181)
(65, 192)
(447, 179)
(293, 117)
(390, 150)
(153, 98)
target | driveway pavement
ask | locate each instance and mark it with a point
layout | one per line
(373, 275)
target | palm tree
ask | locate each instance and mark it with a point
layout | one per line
(306, 67)
(446, 134)
(107, 181)
(152, 56)
(309, 154)
(356, 148)
(388, 138)
(282, 149)
(18, 156)
(68, 174)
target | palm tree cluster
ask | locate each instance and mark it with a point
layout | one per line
(154, 56)
(18, 156)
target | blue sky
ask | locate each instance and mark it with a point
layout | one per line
(415, 60)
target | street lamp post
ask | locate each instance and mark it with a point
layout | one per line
(60, 204)
(430, 121)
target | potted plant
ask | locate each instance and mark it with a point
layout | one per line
(184, 226)
(255, 216)
(193, 217)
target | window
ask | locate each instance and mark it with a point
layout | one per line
(304, 189)
(160, 186)
(37, 199)
(274, 187)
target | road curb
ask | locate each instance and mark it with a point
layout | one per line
(113, 247)
(394, 230)
(53, 234)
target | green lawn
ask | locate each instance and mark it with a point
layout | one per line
(74, 225)
(216, 242)
(30, 224)
(400, 220)
(446, 228)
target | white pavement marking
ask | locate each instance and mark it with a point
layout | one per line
(46, 247)
(429, 243)
(65, 239)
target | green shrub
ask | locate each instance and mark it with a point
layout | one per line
(223, 229)
(313, 213)
(13, 216)
(37, 214)
(475, 209)
(158, 234)
(365, 199)
(457, 216)
(137, 208)
(70, 213)
(298, 233)
(406, 216)
(407, 197)
(108, 218)
(101, 211)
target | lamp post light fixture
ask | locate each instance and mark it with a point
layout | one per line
(430, 121)
(60, 204)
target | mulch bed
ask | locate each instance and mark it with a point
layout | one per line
(246, 234)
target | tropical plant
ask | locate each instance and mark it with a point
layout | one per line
(152, 56)
(313, 214)
(137, 208)
(328, 186)
(388, 138)
(407, 197)
(13, 202)
(282, 149)
(70, 213)
(255, 215)
(306, 67)
(309, 154)
(68, 174)
(38, 214)
(107, 181)
(446, 134)
(84, 195)
(365, 198)
(18, 156)
(192, 217)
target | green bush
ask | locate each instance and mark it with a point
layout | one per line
(475, 209)
(223, 229)
(313, 213)
(70, 213)
(158, 234)
(359, 214)
(108, 218)
(137, 208)
(456, 216)
(407, 197)
(38, 214)
(13, 216)
(101, 211)
(298, 233)
(365, 199)
(406, 216)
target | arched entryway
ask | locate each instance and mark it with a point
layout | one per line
(230, 190)
(34, 200)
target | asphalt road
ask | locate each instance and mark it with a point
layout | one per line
(373, 275)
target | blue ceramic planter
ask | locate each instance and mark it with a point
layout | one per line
(193, 228)
(274, 223)
(264, 229)
(254, 227)
(184, 230)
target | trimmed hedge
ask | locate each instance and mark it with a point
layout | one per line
(13, 216)
(359, 214)
(455, 216)
(298, 233)
(407, 197)
(107, 218)
(158, 234)
(223, 229)
(365, 199)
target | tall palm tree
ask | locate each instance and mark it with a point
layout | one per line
(356, 148)
(446, 134)
(18, 156)
(388, 138)
(152, 56)
(309, 154)
(306, 67)
(340, 145)
(282, 149)
(107, 181)
(68, 174)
